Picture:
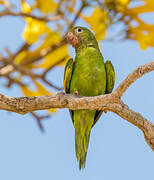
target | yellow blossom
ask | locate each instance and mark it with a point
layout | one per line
(19, 58)
(145, 38)
(2, 2)
(98, 22)
(46, 6)
(34, 29)
(25, 7)
(57, 57)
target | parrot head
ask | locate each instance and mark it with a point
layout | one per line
(80, 36)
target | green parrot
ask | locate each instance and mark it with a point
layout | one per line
(86, 75)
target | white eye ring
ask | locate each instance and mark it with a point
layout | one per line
(79, 30)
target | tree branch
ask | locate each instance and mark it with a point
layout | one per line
(11, 66)
(138, 120)
(39, 119)
(132, 77)
(7, 12)
(108, 102)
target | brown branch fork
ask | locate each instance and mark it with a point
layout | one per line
(109, 102)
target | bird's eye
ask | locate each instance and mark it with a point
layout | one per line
(79, 30)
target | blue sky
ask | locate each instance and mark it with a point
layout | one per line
(117, 149)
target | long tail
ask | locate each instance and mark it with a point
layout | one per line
(81, 147)
(83, 121)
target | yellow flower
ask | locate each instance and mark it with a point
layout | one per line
(123, 2)
(117, 5)
(145, 38)
(145, 8)
(46, 6)
(51, 39)
(2, 2)
(25, 7)
(34, 29)
(55, 57)
(19, 58)
(98, 22)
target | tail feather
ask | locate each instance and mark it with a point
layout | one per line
(83, 121)
(81, 147)
(82, 162)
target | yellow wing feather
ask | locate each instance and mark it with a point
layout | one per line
(68, 74)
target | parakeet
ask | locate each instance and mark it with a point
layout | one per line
(86, 75)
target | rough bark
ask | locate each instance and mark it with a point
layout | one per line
(109, 102)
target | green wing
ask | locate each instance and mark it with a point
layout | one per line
(110, 77)
(68, 75)
(110, 80)
(67, 79)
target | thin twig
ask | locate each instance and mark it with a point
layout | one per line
(7, 12)
(132, 77)
(39, 119)
(51, 84)
(53, 65)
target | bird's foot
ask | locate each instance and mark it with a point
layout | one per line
(76, 93)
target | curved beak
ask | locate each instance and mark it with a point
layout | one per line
(72, 38)
(69, 37)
